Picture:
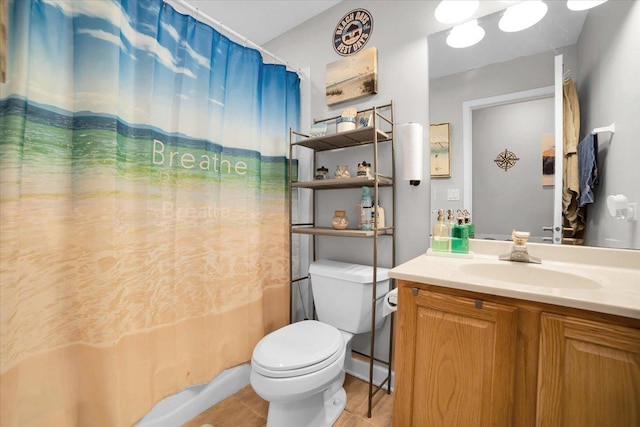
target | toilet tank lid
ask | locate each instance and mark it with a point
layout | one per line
(346, 271)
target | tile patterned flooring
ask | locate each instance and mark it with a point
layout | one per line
(247, 409)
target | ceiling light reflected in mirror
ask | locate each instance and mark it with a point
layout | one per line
(465, 35)
(522, 16)
(583, 4)
(454, 11)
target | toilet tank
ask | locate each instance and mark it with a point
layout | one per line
(342, 294)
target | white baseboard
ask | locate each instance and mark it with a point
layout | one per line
(360, 369)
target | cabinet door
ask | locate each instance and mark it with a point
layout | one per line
(455, 361)
(589, 374)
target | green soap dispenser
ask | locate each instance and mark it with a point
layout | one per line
(440, 236)
(460, 236)
(470, 226)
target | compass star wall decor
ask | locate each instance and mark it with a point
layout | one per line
(506, 160)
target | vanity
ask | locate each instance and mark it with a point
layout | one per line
(483, 342)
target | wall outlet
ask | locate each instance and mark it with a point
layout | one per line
(453, 194)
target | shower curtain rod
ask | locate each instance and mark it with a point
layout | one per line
(198, 14)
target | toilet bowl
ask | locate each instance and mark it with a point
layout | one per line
(304, 386)
(299, 369)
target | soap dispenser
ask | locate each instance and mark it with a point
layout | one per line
(470, 226)
(451, 221)
(440, 235)
(460, 236)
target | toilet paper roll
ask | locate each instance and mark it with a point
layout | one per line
(390, 302)
(410, 140)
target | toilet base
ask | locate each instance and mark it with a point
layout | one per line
(320, 410)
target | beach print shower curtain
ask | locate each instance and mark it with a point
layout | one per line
(144, 237)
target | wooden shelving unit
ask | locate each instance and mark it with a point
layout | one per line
(326, 231)
(335, 183)
(352, 138)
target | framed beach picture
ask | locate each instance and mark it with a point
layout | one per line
(440, 150)
(352, 77)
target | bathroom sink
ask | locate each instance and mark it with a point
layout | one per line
(529, 274)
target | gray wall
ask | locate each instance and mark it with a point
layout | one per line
(607, 84)
(515, 198)
(400, 34)
(402, 77)
(447, 94)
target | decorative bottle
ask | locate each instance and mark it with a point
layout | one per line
(379, 215)
(440, 235)
(365, 209)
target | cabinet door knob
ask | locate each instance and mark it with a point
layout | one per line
(479, 304)
(414, 292)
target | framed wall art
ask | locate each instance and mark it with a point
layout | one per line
(352, 77)
(440, 150)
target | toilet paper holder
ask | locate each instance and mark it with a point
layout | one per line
(619, 207)
(390, 302)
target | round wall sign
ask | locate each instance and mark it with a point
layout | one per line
(352, 32)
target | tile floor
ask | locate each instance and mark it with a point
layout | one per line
(247, 409)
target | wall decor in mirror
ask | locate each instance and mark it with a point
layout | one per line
(440, 150)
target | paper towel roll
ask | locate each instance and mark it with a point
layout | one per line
(390, 302)
(411, 147)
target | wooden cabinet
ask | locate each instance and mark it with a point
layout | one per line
(469, 359)
(589, 374)
(452, 351)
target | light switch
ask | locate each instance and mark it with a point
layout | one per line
(453, 194)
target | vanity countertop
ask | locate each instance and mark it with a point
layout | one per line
(597, 279)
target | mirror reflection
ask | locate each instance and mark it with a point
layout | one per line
(600, 51)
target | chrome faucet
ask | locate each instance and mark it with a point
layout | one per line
(519, 250)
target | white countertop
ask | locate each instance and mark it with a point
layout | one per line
(602, 280)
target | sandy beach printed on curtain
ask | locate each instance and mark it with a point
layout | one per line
(138, 134)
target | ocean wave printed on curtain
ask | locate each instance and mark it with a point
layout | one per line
(144, 237)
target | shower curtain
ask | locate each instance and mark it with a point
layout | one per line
(144, 237)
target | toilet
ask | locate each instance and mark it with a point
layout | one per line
(299, 368)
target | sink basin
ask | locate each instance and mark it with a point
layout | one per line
(529, 274)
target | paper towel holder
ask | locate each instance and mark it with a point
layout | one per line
(411, 136)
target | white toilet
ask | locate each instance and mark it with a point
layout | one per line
(299, 369)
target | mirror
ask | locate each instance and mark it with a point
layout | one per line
(600, 49)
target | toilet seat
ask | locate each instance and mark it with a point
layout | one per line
(298, 349)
